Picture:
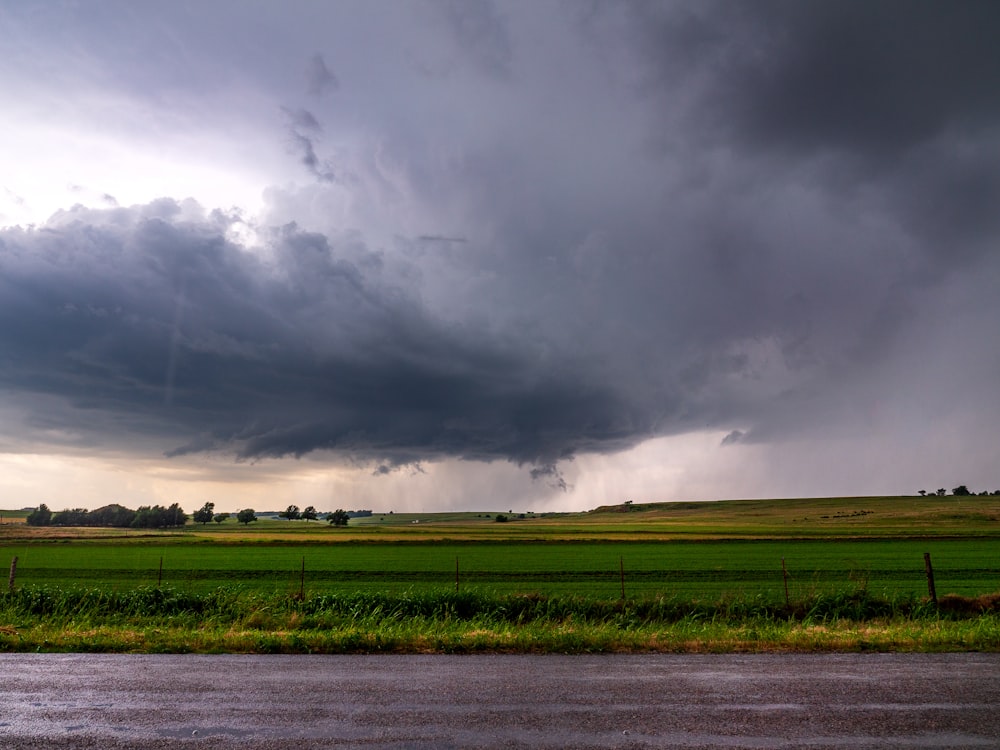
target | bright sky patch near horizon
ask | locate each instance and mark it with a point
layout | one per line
(462, 254)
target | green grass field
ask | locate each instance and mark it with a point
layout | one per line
(686, 549)
(710, 560)
(690, 569)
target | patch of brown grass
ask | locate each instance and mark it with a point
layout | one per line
(969, 605)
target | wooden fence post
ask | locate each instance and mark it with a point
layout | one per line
(13, 573)
(931, 592)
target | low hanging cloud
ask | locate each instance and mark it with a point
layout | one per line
(150, 313)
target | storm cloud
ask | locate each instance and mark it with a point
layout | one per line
(531, 232)
(150, 314)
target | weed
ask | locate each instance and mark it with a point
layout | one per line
(166, 620)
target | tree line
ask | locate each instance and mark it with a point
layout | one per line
(160, 517)
(339, 517)
(960, 491)
(114, 515)
(145, 517)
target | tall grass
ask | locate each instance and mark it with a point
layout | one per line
(235, 620)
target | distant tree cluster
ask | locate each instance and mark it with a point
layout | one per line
(158, 517)
(41, 516)
(339, 517)
(292, 513)
(115, 516)
(960, 491)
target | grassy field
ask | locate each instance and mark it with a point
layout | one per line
(596, 569)
(855, 568)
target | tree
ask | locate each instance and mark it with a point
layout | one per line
(309, 514)
(41, 516)
(205, 515)
(220, 517)
(291, 513)
(177, 515)
(247, 516)
(961, 491)
(923, 493)
(942, 492)
(158, 517)
(339, 517)
(501, 518)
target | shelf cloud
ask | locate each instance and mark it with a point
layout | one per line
(505, 232)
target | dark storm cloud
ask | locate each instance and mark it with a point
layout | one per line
(897, 98)
(633, 219)
(150, 314)
(871, 78)
(877, 78)
(828, 168)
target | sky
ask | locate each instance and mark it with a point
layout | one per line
(535, 255)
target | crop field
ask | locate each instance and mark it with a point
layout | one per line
(596, 569)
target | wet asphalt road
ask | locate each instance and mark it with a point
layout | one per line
(656, 701)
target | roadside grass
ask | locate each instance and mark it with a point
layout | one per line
(239, 621)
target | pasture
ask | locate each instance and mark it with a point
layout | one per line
(693, 570)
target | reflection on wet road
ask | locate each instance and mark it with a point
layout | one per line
(656, 701)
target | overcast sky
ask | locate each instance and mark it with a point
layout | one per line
(497, 255)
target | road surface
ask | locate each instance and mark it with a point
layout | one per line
(636, 701)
